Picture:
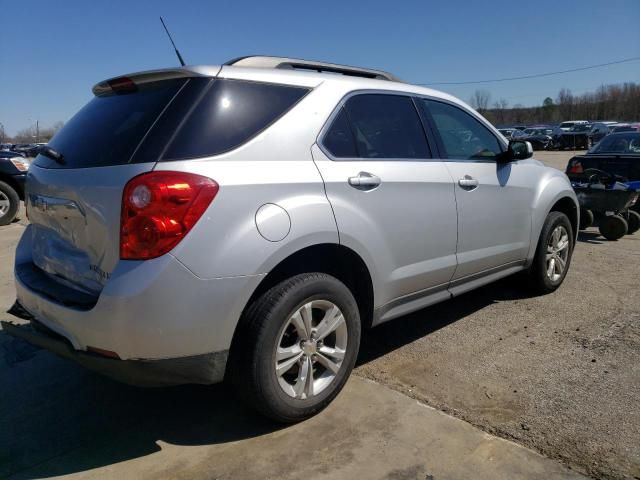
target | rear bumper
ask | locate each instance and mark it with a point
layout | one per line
(203, 369)
(147, 311)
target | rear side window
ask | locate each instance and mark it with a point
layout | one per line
(386, 127)
(339, 139)
(231, 113)
(464, 137)
(109, 128)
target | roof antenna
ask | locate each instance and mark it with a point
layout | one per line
(174, 45)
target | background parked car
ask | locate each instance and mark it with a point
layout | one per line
(567, 126)
(507, 132)
(540, 138)
(617, 154)
(626, 127)
(29, 149)
(577, 138)
(13, 172)
(598, 131)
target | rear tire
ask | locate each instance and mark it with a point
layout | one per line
(281, 362)
(9, 203)
(586, 218)
(613, 227)
(633, 221)
(553, 254)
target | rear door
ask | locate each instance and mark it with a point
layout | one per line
(74, 204)
(494, 200)
(394, 204)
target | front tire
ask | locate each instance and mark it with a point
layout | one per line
(553, 254)
(9, 203)
(297, 345)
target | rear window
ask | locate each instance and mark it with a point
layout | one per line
(202, 118)
(109, 128)
(230, 114)
(619, 143)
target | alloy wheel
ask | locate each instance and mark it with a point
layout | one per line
(557, 253)
(5, 204)
(311, 349)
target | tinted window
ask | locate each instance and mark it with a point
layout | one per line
(619, 143)
(386, 126)
(109, 128)
(463, 136)
(229, 114)
(339, 139)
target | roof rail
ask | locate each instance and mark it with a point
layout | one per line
(261, 61)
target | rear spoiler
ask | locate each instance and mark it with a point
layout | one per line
(106, 87)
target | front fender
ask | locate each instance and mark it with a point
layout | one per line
(552, 188)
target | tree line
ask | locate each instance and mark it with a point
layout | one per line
(618, 102)
(31, 134)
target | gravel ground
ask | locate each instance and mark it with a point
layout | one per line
(559, 373)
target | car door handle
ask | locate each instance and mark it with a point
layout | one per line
(468, 182)
(365, 181)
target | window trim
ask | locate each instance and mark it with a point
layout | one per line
(431, 148)
(440, 144)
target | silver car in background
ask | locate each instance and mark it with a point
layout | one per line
(248, 221)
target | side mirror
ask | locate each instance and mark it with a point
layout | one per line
(519, 150)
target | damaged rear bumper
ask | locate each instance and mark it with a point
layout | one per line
(202, 369)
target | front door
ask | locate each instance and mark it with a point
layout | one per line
(494, 200)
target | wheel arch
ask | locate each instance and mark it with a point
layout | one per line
(9, 180)
(330, 258)
(568, 206)
(555, 194)
(333, 259)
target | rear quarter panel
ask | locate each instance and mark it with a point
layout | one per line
(274, 167)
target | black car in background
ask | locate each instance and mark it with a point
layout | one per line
(541, 138)
(507, 132)
(28, 149)
(617, 155)
(598, 131)
(13, 172)
(615, 159)
(575, 139)
(626, 127)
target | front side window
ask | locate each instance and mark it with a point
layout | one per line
(386, 127)
(463, 137)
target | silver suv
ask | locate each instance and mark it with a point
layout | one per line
(248, 221)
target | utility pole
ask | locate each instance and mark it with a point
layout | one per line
(37, 131)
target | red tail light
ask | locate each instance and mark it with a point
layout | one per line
(576, 167)
(123, 85)
(159, 209)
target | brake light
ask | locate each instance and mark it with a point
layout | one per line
(122, 85)
(159, 209)
(576, 167)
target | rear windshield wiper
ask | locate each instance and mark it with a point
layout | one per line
(51, 153)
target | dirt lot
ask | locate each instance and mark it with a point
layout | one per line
(559, 374)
